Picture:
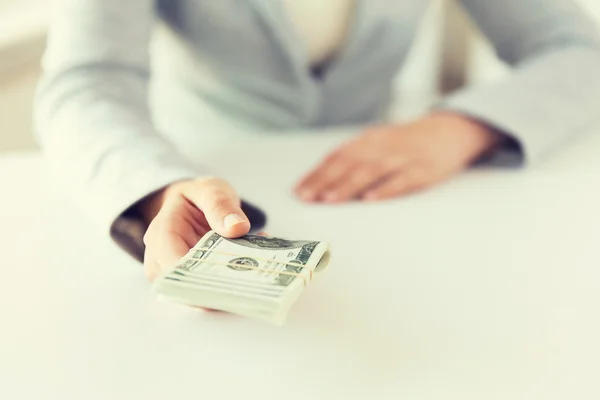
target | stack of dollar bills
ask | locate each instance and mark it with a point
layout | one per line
(254, 276)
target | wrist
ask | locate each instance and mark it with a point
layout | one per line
(478, 136)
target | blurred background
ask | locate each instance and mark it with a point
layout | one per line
(448, 53)
(23, 25)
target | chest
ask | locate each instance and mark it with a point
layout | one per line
(300, 24)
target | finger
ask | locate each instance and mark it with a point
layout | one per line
(193, 216)
(204, 227)
(189, 234)
(359, 181)
(151, 267)
(173, 219)
(152, 271)
(221, 207)
(169, 237)
(171, 250)
(401, 183)
(321, 178)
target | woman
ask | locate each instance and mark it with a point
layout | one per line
(269, 64)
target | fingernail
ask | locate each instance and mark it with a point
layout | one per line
(232, 220)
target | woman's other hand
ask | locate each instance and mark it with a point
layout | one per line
(391, 161)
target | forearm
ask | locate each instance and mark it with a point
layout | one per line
(91, 110)
(102, 145)
(551, 96)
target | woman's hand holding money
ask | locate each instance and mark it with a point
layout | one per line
(179, 215)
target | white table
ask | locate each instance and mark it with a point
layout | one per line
(486, 288)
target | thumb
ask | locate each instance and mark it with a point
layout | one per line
(221, 207)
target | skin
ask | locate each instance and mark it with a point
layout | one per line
(383, 163)
(179, 215)
(395, 160)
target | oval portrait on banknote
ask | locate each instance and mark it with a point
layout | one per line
(271, 243)
(242, 264)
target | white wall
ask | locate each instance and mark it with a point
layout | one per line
(22, 30)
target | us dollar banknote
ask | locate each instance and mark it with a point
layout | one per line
(254, 276)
